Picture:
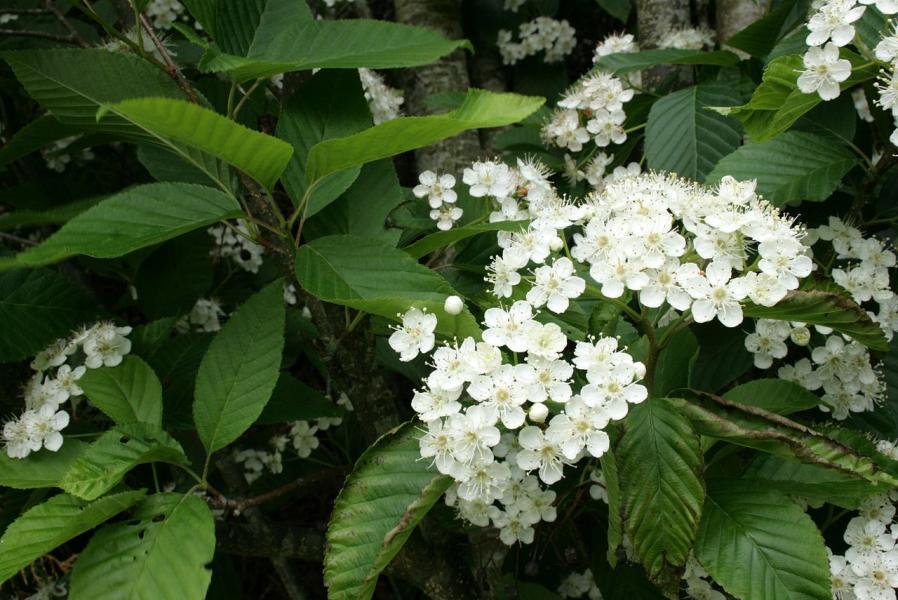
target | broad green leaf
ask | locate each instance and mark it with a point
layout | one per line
(619, 9)
(135, 218)
(293, 400)
(759, 38)
(186, 259)
(364, 208)
(147, 338)
(385, 497)
(279, 47)
(722, 356)
(37, 307)
(481, 109)
(682, 136)
(777, 103)
(169, 164)
(40, 469)
(128, 393)
(73, 84)
(811, 482)
(372, 276)
(817, 307)
(330, 105)
(51, 216)
(161, 553)
(674, 365)
(775, 395)
(793, 166)
(608, 461)
(661, 490)
(56, 521)
(239, 22)
(105, 462)
(203, 11)
(260, 156)
(754, 427)
(34, 136)
(442, 239)
(757, 544)
(637, 61)
(240, 369)
(872, 27)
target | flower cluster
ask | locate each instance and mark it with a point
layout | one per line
(838, 366)
(580, 585)
(543, 34)
(383, 100)
(593, 108)
(57, 159)
(237, 243)
(688, 38)
(206, 315)
(441, 198)
(513, 5)
(887, 51)
(302, 437)
(868, 570)
(163, 13)
(57, 371)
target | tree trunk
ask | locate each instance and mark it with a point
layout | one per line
(450, 74)
(654, 19)
(735, 15)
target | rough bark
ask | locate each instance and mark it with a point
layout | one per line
(449, 74)
(654, 19)
(735, 15)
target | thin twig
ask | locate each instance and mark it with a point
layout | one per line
(50, 7)
(23, 11)
(65, 39)
(239, 505)
(170, 65)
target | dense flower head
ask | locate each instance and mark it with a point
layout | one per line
(57, 370)
(556, 39)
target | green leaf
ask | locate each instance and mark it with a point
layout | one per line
(662, 491)
(808, 481)
(279, 47)
(385, 497)
(674, 365)
(330, 105)
(40, 469)
(481, 109)
(722, 357)
(759, 38)
(753, 427)
(135, 218)
(187, 260)
(619, 9)
(73, 84)
(777, 103)
(240, 369)
(36, 308)
(293, 400)
(105, 462)
(818, 307)
(34, 136)
(203, 11)
(372, 276)
(757, 544)
(50, 216)
(128, 393)
(608, 461)
(774, 395)
(637, 61)
(683, 137)
(161, 553)
(56, 521)
(260, 156)
(239, 22)
(793, 166)
(442, 239)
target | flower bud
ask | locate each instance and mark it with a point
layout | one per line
(538, 413)
(801, 336)
(453, 305)
(556, 244)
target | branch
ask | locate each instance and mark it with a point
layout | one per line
(239, 505)
(170, 67)
(50, 7)
(43, 35)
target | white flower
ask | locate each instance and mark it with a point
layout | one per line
(551, 380)
(504, 391)
(507, 327)
(824, 71)
(45, 425)
(579, 428)
(106, 346)
(663, 286)
(303, 438)
(67, 380)
(437, 189)
(538, 452)
(544, 340)
(716, 295)
(768, 342)
(446, 216)
(555, 285)
(886, 7)
(435, 403)
(437, 444)
(489, 178)
(833, 21)
(504, 276)
(473, 434)
(415, 335)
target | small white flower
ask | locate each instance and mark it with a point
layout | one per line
(437, 189)
(824, 71)
(415, 335)
(555, 285)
